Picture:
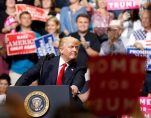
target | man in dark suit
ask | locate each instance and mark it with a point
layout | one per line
(48, 72)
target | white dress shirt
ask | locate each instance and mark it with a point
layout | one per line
(61, 62)
(2, 99)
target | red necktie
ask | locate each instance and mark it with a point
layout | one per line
(60, 75)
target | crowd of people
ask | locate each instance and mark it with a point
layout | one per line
(80, 29)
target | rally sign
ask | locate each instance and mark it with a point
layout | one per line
(115, 83)
(146, 52)
(122, 4)
(145, 105)
(44, 45)
(36, 13)
(20, 43)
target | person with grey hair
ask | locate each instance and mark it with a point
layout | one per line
(138, 40)
(114, 44)
(139, 36)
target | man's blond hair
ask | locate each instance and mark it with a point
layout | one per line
(67, 40)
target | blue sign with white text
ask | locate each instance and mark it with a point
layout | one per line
(44, 45)
(146, 52)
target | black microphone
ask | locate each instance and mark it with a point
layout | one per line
(47, 57)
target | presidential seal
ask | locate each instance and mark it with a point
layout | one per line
(36, 103)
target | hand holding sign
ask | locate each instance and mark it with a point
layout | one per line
(122, 4)
(138, 45)
(20, 43)
(36, 13)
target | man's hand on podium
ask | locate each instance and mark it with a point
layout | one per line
(74, 90)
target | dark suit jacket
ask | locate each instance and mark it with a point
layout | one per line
(73, 75)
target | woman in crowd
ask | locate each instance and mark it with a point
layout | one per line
(101, 18)
(50, 9)
(37, 3)
(4, 83)
(53, 27)
(131, 22)
(68, 16)
(8, 22)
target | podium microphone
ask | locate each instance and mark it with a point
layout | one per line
(49, 56)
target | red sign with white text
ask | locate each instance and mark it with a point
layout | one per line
(20, 43)
(145, 105)
(36, 13)
(115, 83)
(123, 4)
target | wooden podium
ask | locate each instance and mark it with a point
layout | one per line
(42, 101)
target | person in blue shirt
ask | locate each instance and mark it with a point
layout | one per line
(21, 63)
(68, 16)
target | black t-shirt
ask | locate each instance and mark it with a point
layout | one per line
(3, 17)
(94, 44)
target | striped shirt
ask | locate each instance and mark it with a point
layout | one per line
(140, 36)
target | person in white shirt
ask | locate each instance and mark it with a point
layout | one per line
(138, 37)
